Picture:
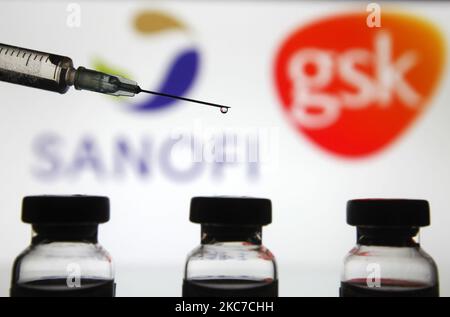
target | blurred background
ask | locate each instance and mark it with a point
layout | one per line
(374, 124)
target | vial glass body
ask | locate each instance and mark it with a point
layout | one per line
(231, 261)
(63, 265)
(389, 262)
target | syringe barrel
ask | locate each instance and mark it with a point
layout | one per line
(35, 69)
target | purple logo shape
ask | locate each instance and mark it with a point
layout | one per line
(178, 81)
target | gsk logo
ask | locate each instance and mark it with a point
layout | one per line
(353, 90)
(182, 72)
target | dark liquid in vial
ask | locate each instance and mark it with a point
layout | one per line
(59, 288)
(230, 288)
(389, 288)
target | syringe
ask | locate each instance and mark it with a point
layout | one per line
(56, 73)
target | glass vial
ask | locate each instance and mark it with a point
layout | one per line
(231, 260)
(388, 260)
(64, 258)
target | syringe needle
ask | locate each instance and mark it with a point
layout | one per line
(223, 108)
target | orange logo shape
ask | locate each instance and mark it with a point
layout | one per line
(353, 90)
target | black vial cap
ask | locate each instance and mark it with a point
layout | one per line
(388, 213)
(65, 210)
(241, 211)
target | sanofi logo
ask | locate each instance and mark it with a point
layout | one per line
(353, 90)
(184, 156)
(182, 72)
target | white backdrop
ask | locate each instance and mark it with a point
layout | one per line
(149, 234)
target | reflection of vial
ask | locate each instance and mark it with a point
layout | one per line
(231, 260)
(64, 259)
(388, 260)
